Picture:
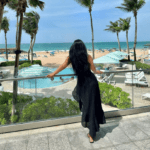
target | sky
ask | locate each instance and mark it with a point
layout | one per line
(66, 20)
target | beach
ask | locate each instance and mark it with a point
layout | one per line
(59, 57)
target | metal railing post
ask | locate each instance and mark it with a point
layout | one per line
(35, 88)
(132, 88)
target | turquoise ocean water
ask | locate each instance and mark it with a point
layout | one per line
(66, 46)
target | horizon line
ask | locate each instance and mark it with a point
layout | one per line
(84, 42)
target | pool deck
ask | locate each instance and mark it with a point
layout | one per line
(121, 133)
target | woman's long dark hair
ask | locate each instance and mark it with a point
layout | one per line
(79, 58)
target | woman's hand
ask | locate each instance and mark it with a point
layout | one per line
(51, 76)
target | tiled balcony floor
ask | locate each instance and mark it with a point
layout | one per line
(121, 133)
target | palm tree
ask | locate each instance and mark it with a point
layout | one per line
(30, 25)
(114, 27)
(2, 4)
(21, 8)
(88, 4)
(125, 25)
(5, 27)
(12, 5)
(1, 23)
(134, 6)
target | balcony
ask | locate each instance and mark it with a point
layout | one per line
(127, 121)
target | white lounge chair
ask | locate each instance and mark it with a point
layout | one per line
(110, 78)
(102, 80)
(107, 79)
(146, 95)
(140, 76)
(134, 73)
(135, 81)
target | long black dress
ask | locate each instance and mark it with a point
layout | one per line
(88, 96)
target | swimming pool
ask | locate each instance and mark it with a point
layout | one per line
(46, 82)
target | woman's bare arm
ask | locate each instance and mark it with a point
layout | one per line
(93, 67)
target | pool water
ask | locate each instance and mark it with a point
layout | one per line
(46, 82)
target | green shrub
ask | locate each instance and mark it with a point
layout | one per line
(27, 64)
(141, 65)
(114, 96)
(27, 110)
(12, 63)
(47, 108)
(6, 106)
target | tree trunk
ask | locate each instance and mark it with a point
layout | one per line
(6, 46)
(1, 13)
(127, 45)
(15, 82)
(92, 35)
(17, 33)
(118, 42)
(32, 49)
(135, 36)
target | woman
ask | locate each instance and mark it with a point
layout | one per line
(87, 88)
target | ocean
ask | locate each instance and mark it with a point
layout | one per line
(38, 47)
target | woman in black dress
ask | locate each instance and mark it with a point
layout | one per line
(87, 91)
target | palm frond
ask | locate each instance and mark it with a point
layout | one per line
(12, 4)
(132, 5)
(124, 9)
(36, 3)
(5, 24)
(141, 3)
(85, 3)
(125, 23)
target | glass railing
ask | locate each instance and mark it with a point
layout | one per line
(122, 87)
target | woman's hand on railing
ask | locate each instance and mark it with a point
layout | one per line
(51, 76)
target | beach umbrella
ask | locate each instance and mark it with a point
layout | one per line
(113, 56)
(3, 59)
(105, 60)
(120, 53)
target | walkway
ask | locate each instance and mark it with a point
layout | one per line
(122, 133)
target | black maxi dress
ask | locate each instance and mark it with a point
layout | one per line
(88, 96)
